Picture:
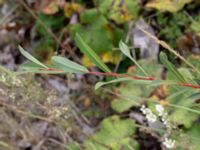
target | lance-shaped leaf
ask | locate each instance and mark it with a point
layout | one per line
(67, 65)
(136, 82)
(164, 60)
(161, 82)
(31, 58)
(125, 50)
(100, 84)
(30, 67)
(194, 96)
(90, 53)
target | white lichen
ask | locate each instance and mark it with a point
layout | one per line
(2, 92)
(59, 112)
(169, 143)
(160, 109)
(164, 119)
(12, 96)
(2, 78)
(149, 114)
(163, 115)
(16, 81)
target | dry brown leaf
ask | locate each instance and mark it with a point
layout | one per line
(50, 7)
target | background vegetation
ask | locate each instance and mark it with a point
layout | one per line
(99, 74)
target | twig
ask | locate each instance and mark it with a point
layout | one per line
(189, 85)
(57, 142)
(40, 21)
(3, 69)
(6, 145)
(26, 113)
(57, 40)
(188, 15)
(122, 75)
(8, 14)
(166, 46)
(130, 76)
(77, 111)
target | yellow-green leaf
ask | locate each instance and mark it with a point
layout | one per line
(168, 5)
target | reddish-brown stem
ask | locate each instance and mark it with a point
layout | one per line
(190, 85)
(121, 75)
(126, 75)
(52, 69)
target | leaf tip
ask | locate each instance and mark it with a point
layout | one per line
(98, 85)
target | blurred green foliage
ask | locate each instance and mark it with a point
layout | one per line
(96, 31)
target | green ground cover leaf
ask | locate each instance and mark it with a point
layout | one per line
(185, 99)
(114, 133)
(120, 11)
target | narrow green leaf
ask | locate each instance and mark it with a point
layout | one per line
(164, 60)
(125, 50)
(194, 96)
(185, 108)
(90, 53)
(31, 58)
(30, 67)
(136, 82)
(67, 65)
(188, 76)
(100, 84)
(175, 96)
(161, 82)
